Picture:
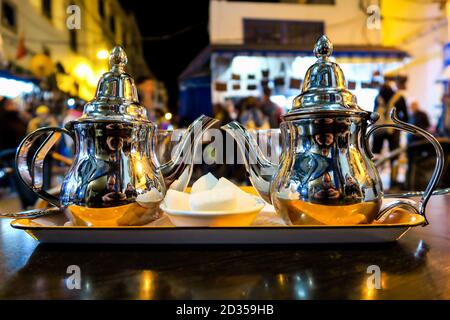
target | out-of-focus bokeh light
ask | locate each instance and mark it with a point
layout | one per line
(281, 101)
(71, 102)
(82, 70)
(247, 65)
(12, 88)
(102, 54)
(168, 116)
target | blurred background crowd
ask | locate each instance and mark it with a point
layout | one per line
(241, 60)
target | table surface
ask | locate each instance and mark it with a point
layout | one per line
(415, 267)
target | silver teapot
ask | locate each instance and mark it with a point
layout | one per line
(326, 174)
(115, 161)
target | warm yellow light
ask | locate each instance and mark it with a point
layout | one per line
(102, 54)
(147, 285)
(82, 70)
(139, 168)
(85, 76)
(168, 116)
(281, 279)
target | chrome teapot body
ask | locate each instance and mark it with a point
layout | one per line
(326, 175)
(115, 158)
(327, 169)
(113, 164)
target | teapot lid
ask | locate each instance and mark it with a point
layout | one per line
(116, 98)
(324, 90)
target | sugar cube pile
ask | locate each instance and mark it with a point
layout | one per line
(210, 194)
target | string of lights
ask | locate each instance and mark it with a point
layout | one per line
(174, 34)
(86, 43)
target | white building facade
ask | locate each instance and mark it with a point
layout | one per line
(373, 27)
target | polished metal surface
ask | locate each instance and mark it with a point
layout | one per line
(260, 169)
(326, 174)
(116, 97)
(324, 89)
(115, 157)
(30, 214)
(113, 165)
(439, 167)
(412, 194)
(178, 169)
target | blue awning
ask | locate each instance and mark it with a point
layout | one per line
(339, 51)
(8, 75)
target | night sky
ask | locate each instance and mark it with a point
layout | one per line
(167, 58)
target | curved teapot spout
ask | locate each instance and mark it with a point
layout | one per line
(177, 171)
(259, 168)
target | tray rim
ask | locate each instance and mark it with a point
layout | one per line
(420, 221)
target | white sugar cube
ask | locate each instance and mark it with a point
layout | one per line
(243, 199)
(206, 182)
(181, 183)
(225, 183)
(149, 198)
(214, 200)
(177, 200)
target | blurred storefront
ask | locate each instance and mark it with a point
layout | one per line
(240, 71)
(256, 44)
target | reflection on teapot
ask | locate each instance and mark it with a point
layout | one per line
(115, 159)
(326, 175)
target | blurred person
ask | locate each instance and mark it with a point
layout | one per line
(386, 100)
(418, 118)
(147, 92)
(42, 119)
(270, 109)
(443, 126)
(146, 89)
(252, 117)
(231, 110)
(226, 112)
(72, 114)
(230, 168)
(13, 127)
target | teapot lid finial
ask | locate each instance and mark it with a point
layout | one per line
(323, 48)
(118, 58)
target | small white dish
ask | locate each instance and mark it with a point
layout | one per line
(235, 218)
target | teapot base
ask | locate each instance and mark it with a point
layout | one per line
(131, 214)
(306, 213)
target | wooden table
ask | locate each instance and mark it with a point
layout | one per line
(416, 267)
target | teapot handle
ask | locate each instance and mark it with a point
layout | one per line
(400, 125)
(31, 172)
